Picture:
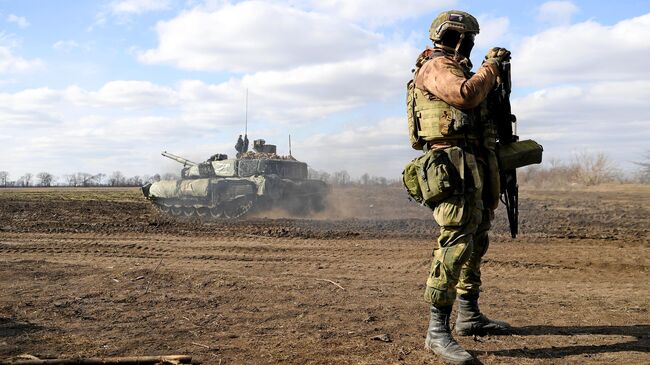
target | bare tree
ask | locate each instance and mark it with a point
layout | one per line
(134, 181)
(70, 179)
(86, 179)
(99, 178)
(594, 169)
(365, 179)
(26, 180)
(341, 177)
(320, 175)
(4, 176)
(116, 179)
(45, 178)
(379, 180)
(644, 170)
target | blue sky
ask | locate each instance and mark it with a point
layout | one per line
(99, 86)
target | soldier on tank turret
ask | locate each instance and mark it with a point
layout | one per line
(239, 146)
(446, 112)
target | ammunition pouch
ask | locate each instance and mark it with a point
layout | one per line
(434, 176)
(519, 154)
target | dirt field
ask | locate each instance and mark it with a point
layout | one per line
(101, 273)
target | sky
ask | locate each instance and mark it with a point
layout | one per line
(101, 86)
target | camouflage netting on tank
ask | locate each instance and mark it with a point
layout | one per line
(263, 155)
(283, 168)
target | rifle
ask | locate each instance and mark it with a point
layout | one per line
(501, 115)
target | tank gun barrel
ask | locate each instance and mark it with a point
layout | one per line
(179, 159)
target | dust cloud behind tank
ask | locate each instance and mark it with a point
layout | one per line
(227, 188)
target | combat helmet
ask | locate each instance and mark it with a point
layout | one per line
(457, 20)
(454, 31)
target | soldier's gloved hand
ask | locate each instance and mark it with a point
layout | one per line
(497, 55)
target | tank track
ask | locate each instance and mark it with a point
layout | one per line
(230, 210)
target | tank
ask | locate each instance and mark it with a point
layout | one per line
(229, 188)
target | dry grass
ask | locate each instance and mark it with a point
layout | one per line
(72, 193)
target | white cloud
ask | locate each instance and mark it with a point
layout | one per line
(125, 7)
(612, 117)
(556, 12)
(123, 11)
(12, 63)
(306, 63)
(129, 94)
(594, 87)
(140, 117)
(20, 21)
(256, 36)
(378, 12)
(380, 148)
(492, 32)
(585, 52)
(65, 45)
(327, 88)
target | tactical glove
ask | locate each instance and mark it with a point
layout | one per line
(497, 55)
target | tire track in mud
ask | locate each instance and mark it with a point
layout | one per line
(224, 254)
(46, 245)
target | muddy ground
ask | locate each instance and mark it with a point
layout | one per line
(100, 273)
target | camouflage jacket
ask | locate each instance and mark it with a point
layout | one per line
(448, 80)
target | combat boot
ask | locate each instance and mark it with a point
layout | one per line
(471, 321)
(439, 339)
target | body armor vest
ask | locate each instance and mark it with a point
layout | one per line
(430, 119)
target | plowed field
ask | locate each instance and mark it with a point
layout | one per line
(88, 273)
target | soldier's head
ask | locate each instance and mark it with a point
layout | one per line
(454, 31)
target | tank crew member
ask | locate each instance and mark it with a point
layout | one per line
(239, 146)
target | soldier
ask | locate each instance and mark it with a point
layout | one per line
(447, 115)
(239, 146)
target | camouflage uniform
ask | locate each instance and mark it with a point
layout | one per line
(465, 218)
(457, 176)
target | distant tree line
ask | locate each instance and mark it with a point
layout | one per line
(118, 179)
(342, 178)
(584, 169)
(81, 179)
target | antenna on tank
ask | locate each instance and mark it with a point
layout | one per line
(246, 120)
(289, 145)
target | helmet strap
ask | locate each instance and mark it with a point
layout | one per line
(460, 41)
(445, 48)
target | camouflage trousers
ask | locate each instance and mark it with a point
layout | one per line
(463, 241)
